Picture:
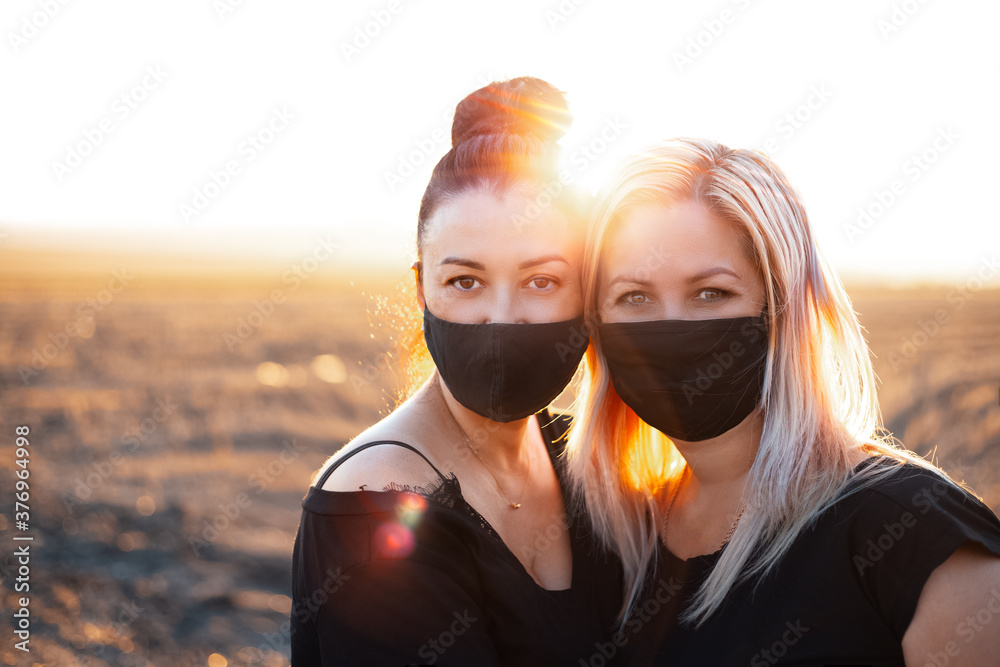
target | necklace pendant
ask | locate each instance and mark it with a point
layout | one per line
(515, 506)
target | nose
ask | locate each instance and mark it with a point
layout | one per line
(673, 308)
(671, 311)
(506, 308)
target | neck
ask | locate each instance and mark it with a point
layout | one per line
(719, 466)
(505, 446)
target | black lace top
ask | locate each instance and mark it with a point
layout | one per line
(417, 576)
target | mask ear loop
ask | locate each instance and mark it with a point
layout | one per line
(417, 268)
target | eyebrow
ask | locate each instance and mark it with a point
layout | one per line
(713, 272)
(628, 279)
(460, 261)
(693, 279)
(472, 264)
(544, 259)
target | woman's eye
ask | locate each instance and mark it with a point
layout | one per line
(541, 283)
(711, 294)
(464, 283)
(633, 299)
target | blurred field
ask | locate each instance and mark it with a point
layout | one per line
(167, 470)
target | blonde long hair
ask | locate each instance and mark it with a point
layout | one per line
(819, 403)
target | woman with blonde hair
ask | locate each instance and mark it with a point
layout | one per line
(731, 448)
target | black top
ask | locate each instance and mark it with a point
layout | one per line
(397, 578)
(844, 594)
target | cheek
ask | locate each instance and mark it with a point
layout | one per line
(565, 304)
(574, 299)
(456, 310)
(438, 297)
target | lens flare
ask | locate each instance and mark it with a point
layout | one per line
(394, 540)
(411, 507)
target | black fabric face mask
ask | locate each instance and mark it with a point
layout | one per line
(505, 371)
(689, 379)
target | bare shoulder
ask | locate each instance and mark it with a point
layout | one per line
(374, 468)
(965, 586)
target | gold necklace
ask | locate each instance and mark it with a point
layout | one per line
(513, 505)
(670, 506)
(468, 443)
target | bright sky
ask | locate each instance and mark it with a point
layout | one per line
(121, 118)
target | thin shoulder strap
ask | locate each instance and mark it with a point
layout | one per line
(322, 480)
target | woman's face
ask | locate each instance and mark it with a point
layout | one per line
(679, 262)
(484, 261)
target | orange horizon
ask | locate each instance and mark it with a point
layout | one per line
(32, 268)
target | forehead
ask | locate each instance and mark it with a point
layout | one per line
(513, 223)
(685, 233)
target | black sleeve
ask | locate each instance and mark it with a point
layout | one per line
(403, 612)
(308, 596)
(352, 607)
(905, 528)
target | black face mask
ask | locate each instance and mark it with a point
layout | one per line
(505, 371)
(689, 379)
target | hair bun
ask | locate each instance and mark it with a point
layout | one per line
(522, 106)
